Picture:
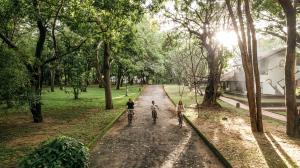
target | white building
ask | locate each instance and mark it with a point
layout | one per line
(271, 67)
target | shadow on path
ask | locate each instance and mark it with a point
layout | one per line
(272, 158)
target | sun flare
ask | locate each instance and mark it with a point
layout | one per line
(227, 39)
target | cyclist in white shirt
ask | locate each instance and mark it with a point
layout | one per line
(154, 109)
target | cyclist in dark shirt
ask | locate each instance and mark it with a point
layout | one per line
(130, 104)
(130, 110)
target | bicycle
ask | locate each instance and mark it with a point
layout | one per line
(180, 119)
(130, 114)
(154, 116)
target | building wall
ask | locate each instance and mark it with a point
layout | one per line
(274, 75)
(236, 86)
(271, 75)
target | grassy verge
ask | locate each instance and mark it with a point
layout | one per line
(84, 119)
(280, 112)
(188, 97)
(228, 129)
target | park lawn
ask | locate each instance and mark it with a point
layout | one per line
(228, 128)
(187, 98)
(84, 119)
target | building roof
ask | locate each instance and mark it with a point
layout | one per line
(227, 76)
(233, 76)
(264, 55)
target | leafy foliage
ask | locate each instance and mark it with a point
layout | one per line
(77, 73)
(59, 152)
(273, 20)
(13, 78)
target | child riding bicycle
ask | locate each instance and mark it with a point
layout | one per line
(154, 109)
(130, 110)
(180, 108)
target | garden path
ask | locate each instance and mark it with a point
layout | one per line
(144, 144)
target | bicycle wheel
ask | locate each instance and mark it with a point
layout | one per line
(129, 119)
(154, 116)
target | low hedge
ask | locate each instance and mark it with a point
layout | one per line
(57, 153)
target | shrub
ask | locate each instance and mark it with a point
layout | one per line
(60, 152)
(14, 79)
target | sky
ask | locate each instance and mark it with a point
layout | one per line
(166, 24)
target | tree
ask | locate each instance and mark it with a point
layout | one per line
(189, 64)
(139, 54)
(14, 78)
(77, 72)
(202, 19)
(31, 18)
(293, 117)
(272, 14)
(248, 50)
(150, 63)
(45, 34)
(125, 56)
(113, 17)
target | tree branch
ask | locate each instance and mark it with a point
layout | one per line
(53, 28)
(62, 55)
(8, 42)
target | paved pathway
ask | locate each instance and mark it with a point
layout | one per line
(144, 144)
(264, 112)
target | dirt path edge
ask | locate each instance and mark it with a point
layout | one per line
(108, 127)
(216, 152)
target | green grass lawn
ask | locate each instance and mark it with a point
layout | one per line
(188, 97)
(280, 112)
(84, 119)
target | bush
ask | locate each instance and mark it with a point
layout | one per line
(59, 152)
(14, 79)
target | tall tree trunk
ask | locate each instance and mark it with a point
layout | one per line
(195, 94)
(220, 66)
(52, 78)
(60, 79)
(212, 84)
(35, 105)
(126, 87)
(131, 80)
(98, 67)
(142, 79)
(66, 79)
(55, 47)
(253, 45)
(119, 77)
(122, 80)
(209, 96)
(76, 93)
(106, 73)
(99, 80)
(293, 118)
(147, 80)
(246, 61)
